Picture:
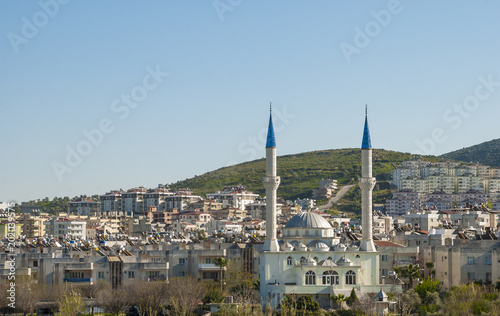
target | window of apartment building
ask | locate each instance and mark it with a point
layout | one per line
(100, 275)
(470, 260)
(417, 242)
(153, 274)
(35, 263)
(487, 260)
(384, 272)
(384, 257)
(182, 260)
(488, 276)
(471, 276)
(182, 274)
(131, 274)
(209, 260)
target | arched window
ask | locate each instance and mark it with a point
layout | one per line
(330, 278)
(350, 277)
(329, 258)
(302, 258)
(310, 278)
(289, 261)
(316, 259)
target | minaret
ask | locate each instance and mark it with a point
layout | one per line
(271, 183)
(366, 183)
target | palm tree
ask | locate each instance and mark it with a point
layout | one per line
(221, 263)
(338, 299)
(430, 265)
(410, 271)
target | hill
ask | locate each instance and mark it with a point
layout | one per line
(487, 153)
(300, 173)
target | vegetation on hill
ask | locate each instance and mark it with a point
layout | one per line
(487, 153)
(300, 173)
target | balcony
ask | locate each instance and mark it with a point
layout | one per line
(208, 267)
(79, 280)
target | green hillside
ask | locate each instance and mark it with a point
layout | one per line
(300, 173)
(487, 153)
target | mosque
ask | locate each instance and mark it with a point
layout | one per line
(308, 258)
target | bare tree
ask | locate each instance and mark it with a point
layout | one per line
(112, 301)
(90, 291)
(184, 295)
(241, 284)
(149, 297)
(28, 294)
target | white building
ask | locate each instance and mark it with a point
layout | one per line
(310, 260)
(235, 196)
(66, 228)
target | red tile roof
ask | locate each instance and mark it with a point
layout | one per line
(381, 243)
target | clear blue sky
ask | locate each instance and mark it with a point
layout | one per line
(64, 71)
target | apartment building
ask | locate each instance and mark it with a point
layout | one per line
(234, 196)
(111, 203)
(464, 263)
(85, 207)
(66, 228)
(403, 202)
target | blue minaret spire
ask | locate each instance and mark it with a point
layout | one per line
(367, 143)
(271, 141)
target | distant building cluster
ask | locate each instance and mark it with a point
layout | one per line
(442, 186)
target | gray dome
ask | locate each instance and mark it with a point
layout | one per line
(317, 244)
(343, 260)
(308, 220)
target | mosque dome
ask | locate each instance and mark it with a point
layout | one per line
(308, 220)
(317, 244)
(287, 246)
(343, 261)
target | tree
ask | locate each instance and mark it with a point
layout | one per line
(428, 286)
(471, 299)
(409, 302)
(430, 267)
(338, 300)
(410, 271)
(221, 263)
(184, 295)
(71, 304)
(306, 303)
(28, 294)
(213, 295)
(112, 301)
(242, 284)
(90, 291)
(353, 298)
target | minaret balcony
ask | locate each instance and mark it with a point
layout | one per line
(271, 183)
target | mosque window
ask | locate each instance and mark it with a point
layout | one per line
(350, 277)
(329, 258)
(316, 259)
(316, 232)
(297, 232)
(307, 232)
(310, 278)
(330, 278)
(289, 261)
